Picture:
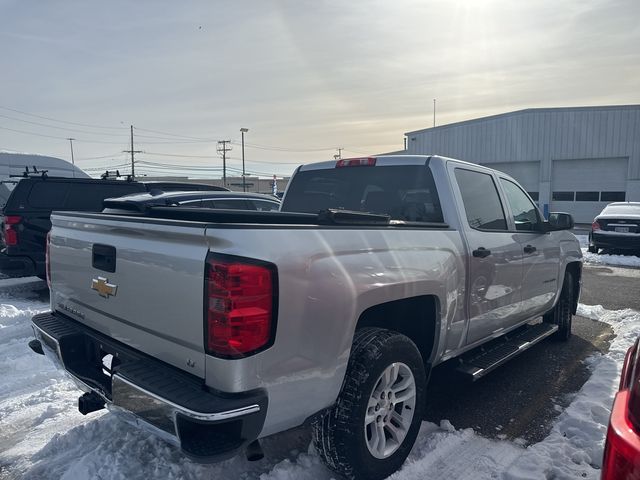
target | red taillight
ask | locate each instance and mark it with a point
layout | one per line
(595, 226)
(11, 230)
(622, 449)
(240, 306)
(48, 259)
(356, 162)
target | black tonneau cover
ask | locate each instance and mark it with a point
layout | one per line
(324, 217)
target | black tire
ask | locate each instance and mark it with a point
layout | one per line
(561, 314)
(339, 433)
(592, 249)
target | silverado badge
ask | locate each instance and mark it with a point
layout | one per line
(103, 287)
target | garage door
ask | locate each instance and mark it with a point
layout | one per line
(583, 187)
(526, 173)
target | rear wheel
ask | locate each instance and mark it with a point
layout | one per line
(371, 429)
(561, 314)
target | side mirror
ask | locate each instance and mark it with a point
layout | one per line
(560, 221)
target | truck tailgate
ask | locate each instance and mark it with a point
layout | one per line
(140, 282)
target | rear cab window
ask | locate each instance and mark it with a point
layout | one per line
(404, 192)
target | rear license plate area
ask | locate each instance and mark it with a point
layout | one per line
(622, 229)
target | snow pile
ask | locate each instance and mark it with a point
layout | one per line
(615, 260)
(33, 394)
(574, 447)
(42, 436)
(628, 260)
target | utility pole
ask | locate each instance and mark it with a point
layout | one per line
(244, 184)
(72, 160)
(132, 152)
(223, 148)
(434, 113)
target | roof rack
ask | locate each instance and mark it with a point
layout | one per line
(32, 174)
(109, 174)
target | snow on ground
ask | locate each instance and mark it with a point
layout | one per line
(628, 260)
(42, 435)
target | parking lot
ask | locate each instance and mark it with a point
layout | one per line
(516, 405)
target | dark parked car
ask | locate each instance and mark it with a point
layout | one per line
(182, 186)
(26, 222)
(622, 448)
(617, 227)
(26, 215)
(220, 200)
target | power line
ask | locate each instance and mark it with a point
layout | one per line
(57, 138)
(183, 139)
(174, 134)
(105, 167)
(57, 120)
(31, 133)
(284, 149)
(110, 134)
(177, 155)
(100, 157)
(66, 129)
(173, 166)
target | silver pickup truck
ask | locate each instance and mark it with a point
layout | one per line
(216, 328)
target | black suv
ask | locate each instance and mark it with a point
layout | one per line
(26, 215)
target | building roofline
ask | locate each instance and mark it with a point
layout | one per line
(523, 112)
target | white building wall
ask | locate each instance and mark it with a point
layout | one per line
(544, 136)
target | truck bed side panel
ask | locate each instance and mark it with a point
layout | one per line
(328, 277)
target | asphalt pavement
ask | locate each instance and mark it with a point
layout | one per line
(521, 399)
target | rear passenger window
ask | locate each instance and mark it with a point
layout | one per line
(233, 204)
(48, 195)
(481, 200)
(265, 206)
(89, 197)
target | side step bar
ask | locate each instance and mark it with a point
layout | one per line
(477, 363)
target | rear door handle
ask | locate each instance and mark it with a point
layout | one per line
(481, 252)
(529, 249)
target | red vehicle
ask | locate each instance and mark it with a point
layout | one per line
(622, 449)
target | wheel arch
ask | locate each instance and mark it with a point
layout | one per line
(417, 317)
(575, 269)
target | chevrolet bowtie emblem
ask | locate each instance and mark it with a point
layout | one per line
(103, 287)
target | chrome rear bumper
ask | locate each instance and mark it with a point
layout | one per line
(207, 425)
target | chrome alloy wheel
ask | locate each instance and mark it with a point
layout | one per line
(390, 410)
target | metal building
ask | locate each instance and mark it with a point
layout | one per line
(572, 160)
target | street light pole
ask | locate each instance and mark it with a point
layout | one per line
(244, 185)
(72, 160)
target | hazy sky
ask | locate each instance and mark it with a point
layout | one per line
(304, 77)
